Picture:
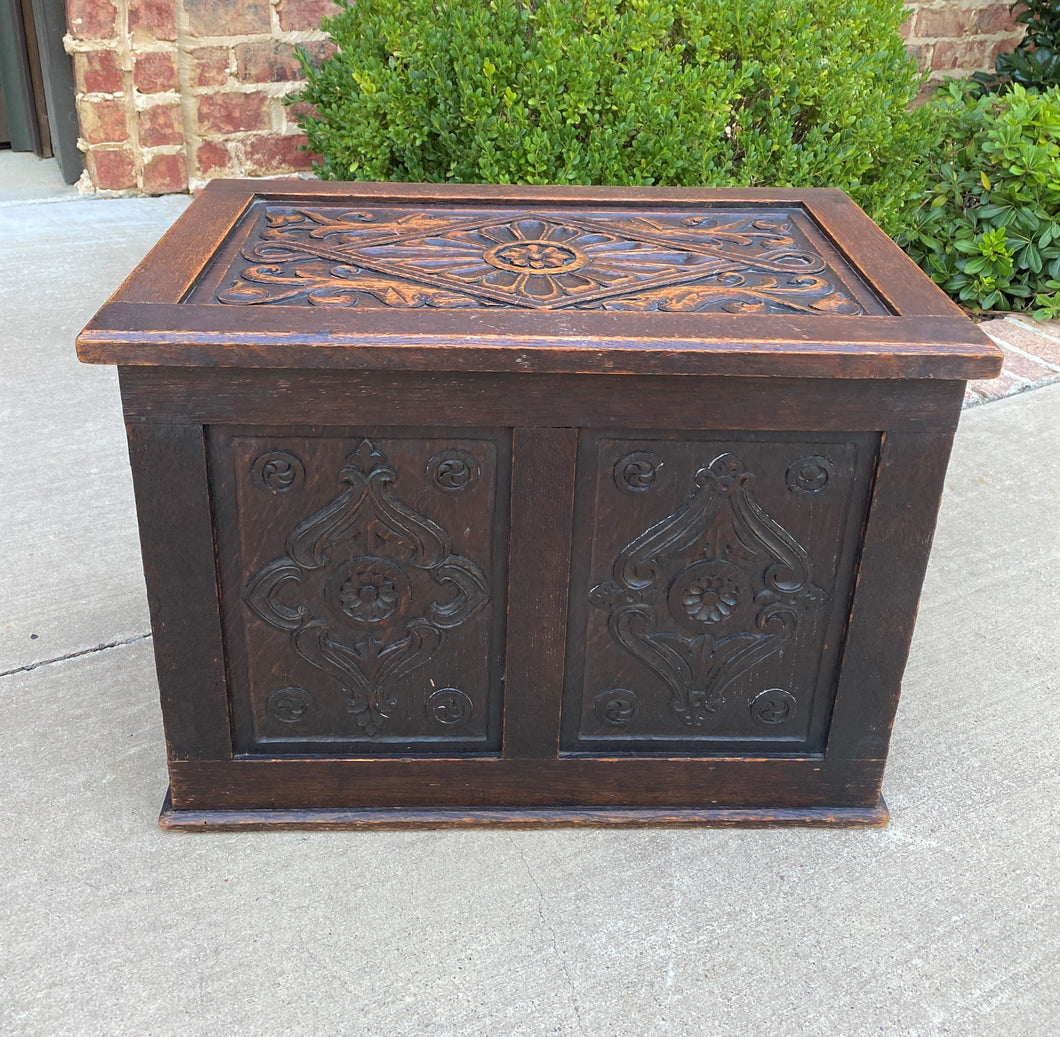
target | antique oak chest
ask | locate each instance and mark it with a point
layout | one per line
(468, 505)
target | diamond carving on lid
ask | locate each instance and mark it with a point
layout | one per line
(683, 261)
(538, 262)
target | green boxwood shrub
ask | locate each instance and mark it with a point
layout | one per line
(695, 92)
(988, 231)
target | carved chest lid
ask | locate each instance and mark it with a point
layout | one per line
(455, 277)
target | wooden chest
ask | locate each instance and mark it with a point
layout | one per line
(470, 505)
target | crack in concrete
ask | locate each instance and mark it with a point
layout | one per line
(550, 929)
(75, 655)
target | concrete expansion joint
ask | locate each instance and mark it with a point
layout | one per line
(76, 655)
(12, 203)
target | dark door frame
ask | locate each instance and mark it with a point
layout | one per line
(37, 83)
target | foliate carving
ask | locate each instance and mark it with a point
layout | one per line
(616, 707)
(810, 475)
(367, 628)
(453, 470)
(278, 471)
(721, 261)
(290, 705)
(773, 706)
(709, 590)
(637, 472)
(450, 706)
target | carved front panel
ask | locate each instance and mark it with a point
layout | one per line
(710, 586)
(364, 589)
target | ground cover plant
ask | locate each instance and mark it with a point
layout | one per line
(624, 92)
(988, 231)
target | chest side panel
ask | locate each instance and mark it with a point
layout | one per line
(710, 587)
(363, 588)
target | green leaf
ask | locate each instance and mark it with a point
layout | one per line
(629, 91)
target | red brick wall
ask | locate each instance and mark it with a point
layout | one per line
(172, 93)
(959, 37)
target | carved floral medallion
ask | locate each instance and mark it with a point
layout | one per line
(345, 595)
(706, 593)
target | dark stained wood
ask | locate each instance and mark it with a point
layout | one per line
(727, 781)
(604, 401)
(577, 343)
(824, 303)
(450, 518)
(368, 569)
(542, 498)
(666, 259)
(397, 819)
(176, 543)
(681, 637)
(894, 557)
(897, 280)
(172, 266)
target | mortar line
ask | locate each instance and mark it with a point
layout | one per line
(1005, 344)
(75, 655)
(1035, 329)
(1021, 390)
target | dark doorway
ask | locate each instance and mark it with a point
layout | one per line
(37, 111)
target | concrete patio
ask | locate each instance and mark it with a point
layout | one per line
(946, 922)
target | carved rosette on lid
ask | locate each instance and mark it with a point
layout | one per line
(709, 591)
(670, 261)
(367, 627)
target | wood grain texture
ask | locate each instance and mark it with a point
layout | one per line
(558, 817)
(629, 259)
(172, 266)
(895, 277)
(301, 436)
(290, 399)
(682, 639)
(368, 533)
(894, 556)
(176, 542)
(744, 782)
(542, 500)
(153, 320)
(579, 342)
